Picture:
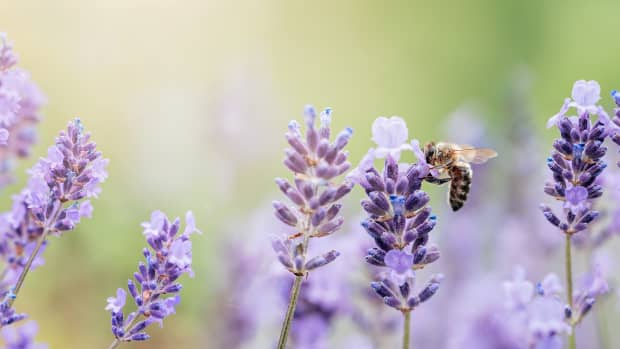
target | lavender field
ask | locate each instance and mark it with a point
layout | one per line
(245, 174)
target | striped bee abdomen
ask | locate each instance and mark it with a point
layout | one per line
(461, 174)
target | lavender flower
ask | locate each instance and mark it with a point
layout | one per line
(399, 221)
(540, 307)
(316, 162)
(391, 136)
(615, 136)
(576, 162)
(20, 101)
(53, 202)
(21, 337)
(592, 286)
(322, 299)
(529, 316)
(584, 96)
(156, 287)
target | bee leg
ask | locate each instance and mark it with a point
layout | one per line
(438, 181)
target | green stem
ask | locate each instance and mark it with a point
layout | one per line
(288, 320)
(601, 326)
(407, 330)
(27, 267)
(569, 286)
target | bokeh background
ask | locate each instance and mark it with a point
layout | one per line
(189, 101)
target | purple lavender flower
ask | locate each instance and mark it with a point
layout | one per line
(576, 162)
(316, 162)
(615, 136)
(530, 316)
(20, 101)
(21, 337)
(584, 96)
(156, 287)
(592, 286)
(8, 315)
(391, 136)
(53, 202)
(322, 299)
(399, 222)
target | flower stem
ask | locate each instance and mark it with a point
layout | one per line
(601, 327)
(114, 344)
(288, 320)
(407, 330)
(22, 276)
(569, 286)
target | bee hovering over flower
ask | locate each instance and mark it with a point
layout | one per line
(450, 162)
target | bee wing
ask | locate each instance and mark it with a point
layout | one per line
(476, 155)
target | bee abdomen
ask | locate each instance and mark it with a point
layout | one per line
(460, 185)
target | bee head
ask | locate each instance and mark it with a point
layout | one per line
(430, 152)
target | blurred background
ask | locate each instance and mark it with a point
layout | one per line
(189, 101)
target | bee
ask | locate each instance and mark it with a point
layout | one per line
(451, 163)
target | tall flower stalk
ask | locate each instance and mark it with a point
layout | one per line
(315, 162)
(399, 221)
(54, 201)
(575, 163)
(156, 287)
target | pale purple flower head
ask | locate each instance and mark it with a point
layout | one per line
(8, 58)
(316, 162)
(115, 304)
(20, 102)
(9, 105)
(399, 261)
(576, 199)
(391, 136)
(181, 253)
(156, 287)
(584, 98)
(585, 94)
(21, 337)
(190, 224)
(518, 291)
(529, 317)
(323, 298)
(592, 286)
(550, 285)
(155, 225)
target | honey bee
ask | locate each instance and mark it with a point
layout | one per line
(451, 162)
